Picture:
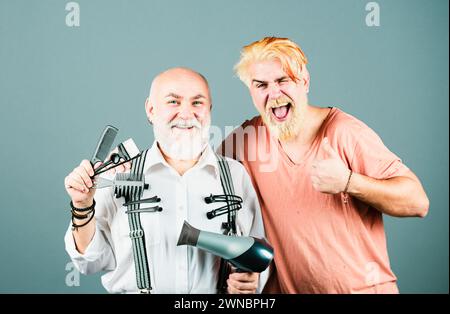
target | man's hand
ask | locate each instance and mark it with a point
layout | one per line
(329, 175)
(245, 283)
(78, 184)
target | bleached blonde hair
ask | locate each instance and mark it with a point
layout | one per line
(284, 50)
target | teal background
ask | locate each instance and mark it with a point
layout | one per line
(59, 86)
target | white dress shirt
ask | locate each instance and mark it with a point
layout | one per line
(173, 269)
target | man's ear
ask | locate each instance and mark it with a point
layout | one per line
(149, 109)
(305, 78)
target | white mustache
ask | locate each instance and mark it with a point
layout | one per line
(184, 124)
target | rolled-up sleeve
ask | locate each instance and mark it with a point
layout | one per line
(99, 254)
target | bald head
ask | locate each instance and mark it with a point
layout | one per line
(178, 75)
(178, 93)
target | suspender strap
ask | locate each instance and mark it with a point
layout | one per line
(228, 190)
(137, 234)
(230, 227)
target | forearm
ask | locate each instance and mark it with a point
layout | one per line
(83, 235)
(398, 196)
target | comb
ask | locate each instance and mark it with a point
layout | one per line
(104, 144)
(127, 151)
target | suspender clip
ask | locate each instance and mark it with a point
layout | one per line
(135, 234)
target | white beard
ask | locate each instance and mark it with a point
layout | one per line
(179, 144)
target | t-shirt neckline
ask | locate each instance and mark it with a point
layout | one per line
(285, 156)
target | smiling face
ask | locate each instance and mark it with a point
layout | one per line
(278, 98)
(179, 107)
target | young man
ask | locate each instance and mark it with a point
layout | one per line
(181, 169)
(323, 178)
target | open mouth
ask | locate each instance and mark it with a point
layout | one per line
(281, 112)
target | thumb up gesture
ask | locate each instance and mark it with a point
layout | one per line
(330, 174)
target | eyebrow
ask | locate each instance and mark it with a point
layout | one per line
(282, 78)
(173, 95)
(198, 96)
(265, 82)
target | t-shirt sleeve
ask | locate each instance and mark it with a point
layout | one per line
(372, 158)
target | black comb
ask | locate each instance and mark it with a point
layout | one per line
(104, 144)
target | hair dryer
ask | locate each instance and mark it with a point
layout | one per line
(246, 253)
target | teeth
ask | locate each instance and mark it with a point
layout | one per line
(183, 127)
(280, 105)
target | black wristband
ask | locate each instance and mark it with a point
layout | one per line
(81, 216)
(87, 209)
(75, 226)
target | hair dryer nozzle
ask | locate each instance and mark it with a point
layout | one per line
(189, 235)
(245, 252)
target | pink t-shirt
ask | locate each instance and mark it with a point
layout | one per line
(321, 243)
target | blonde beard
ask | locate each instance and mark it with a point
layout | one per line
(284, 131)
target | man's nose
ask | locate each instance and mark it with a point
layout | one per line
(274, 91)
(186, 111)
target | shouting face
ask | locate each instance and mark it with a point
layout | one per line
(278, 98)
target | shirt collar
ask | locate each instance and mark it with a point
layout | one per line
(207, 160)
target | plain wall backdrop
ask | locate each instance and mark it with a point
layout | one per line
(60, 85)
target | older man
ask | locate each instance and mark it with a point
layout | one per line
(323, 178)
(181, 170)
